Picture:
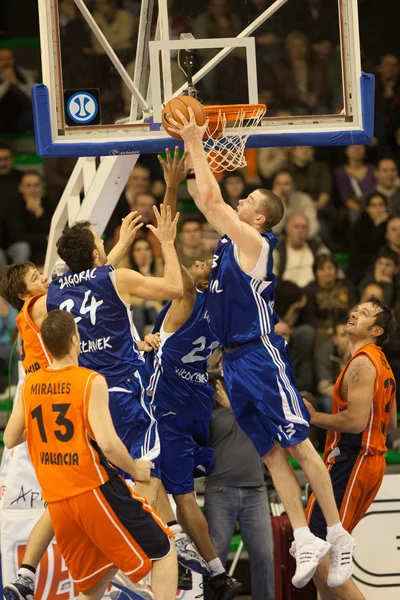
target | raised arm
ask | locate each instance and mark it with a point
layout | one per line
(131, 283)
(130, 225)
(360, 382)
(207, 194)
(174, 174)
(104, 432)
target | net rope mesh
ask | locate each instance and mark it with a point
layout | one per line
(225, 143)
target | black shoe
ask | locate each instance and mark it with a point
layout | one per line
(185, 579)
(224, 587)
(22, 588)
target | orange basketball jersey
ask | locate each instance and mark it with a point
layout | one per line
(34, 354)
(373, 439)
(61, 445)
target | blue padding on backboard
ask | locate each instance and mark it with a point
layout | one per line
(46, 148)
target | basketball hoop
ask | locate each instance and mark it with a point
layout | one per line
(228, 130)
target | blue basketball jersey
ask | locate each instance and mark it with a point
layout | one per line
(241, 307)
(104, 321)
(179, 380)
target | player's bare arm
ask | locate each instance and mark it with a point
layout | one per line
(174, 174)
(38, 312)
(14, 433)
(130, 226)
(104, 432)
(209, 199)
(392, 425)
(357, 389)
(131, 283)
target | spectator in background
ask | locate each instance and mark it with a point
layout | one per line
(144, 205)
(7, 328)
(119, 27)
(300, 77)
(57, 171)
(219, 21)
(329, 299)
(272, 160)
(210, 238)
(143, 261)
(138, 182)
(318, 20)
(9, 181)
(311, 176)
(28, 219)
(393, 238)
(295, 254)
(233, 186)
(387, 174)
(73, 27)
(384, 273)
(191, 247)
(236, 491)
(372, 289)
(16, 114)
(333, 354)
(387, 102)
(353, 179)
(295, 202)
(289, 302)
(367, 236)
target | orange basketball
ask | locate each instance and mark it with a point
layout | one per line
(182, 103)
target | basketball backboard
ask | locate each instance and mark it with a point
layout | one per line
(109, 66)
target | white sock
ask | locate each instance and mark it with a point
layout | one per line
(302, 535)
(176, 528)
(216, 567)
(27, 573)
(334, 532)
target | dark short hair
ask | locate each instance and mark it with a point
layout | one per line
(134, 264)
(195, 218)
(5, 146)
(12, 283)
(389, 254)
(57, 329)
(321, 261)
(283, 172)
(31, 172)
(375, 195)
(271, 207)
(384, 318)
(76, 246)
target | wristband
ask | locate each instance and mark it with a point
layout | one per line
(191, 176)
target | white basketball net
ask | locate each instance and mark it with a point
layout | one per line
(225, 151)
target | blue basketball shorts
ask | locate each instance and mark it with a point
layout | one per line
(134, 421)
(184, 451)
(261, 387)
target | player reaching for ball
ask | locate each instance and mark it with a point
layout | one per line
(258, 375)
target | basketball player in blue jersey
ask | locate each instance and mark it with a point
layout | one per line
(183, 401)
(258, 375)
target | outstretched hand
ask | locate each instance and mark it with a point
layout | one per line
(188, 130)
(130, 226)
(174, 170)
(165, 231)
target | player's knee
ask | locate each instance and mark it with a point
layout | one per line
(303, 451)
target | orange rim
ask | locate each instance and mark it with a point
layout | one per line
(231, 111)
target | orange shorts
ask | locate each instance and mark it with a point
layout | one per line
(356, 480)
(108, 527)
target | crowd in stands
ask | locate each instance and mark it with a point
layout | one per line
(339, 240)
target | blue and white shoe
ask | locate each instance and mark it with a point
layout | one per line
(23, 588)
(188, 555)
(135, 591)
